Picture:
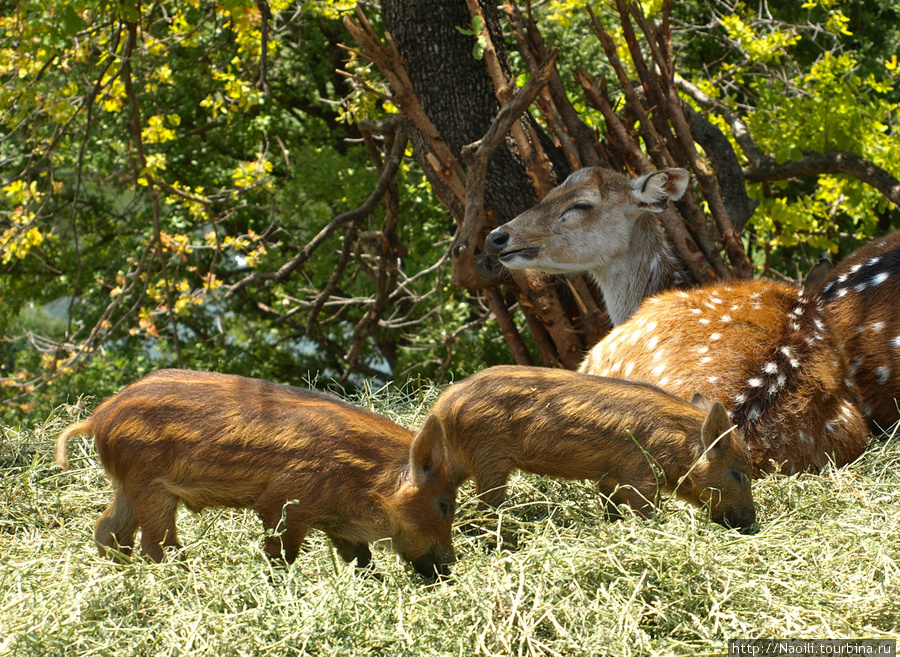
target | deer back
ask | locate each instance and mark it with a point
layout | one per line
(761, 348)
(862, 304)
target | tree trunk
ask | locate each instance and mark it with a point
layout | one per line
(457, 93)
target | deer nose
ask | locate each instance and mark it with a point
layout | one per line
(496, 241)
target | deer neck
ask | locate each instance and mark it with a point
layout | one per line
(645, 268)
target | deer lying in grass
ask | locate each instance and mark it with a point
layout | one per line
(765, 350)
(862, 306)
(600, 222)
(635, 440)
(300, 458)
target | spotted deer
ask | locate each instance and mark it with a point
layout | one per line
(302, 459)
(765, 350)
(862, 306)
(600, 222)
(635, 440)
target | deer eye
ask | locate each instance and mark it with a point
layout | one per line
(578, 207)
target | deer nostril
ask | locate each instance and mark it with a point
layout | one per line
(496, 241)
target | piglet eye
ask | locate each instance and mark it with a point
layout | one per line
(444, 507)
(740, 476)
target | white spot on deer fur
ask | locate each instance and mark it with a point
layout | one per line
(696, 311)
(845, 410)
(706, 359)
(702, 350)
(726, 318)
(855, 268)
(713, 379)
(656, 371)
(802, 436)
(841, 293)
(842, 278)
(663, 381)
(848, 383)
(781, 380)
(862, 286)
(754, 413)
(652, 342)
(740, 399)
(896, 342)
(715, 299)
(873, 261)
(715, 336)
(605, 372)
(830, 426)
(755, 382)
(878, 279)
(855, 364)
(797, 311)
(819, 324)
(770, 367)
(704, 321)
(659, 353)
(882, 374)
(876, 327)
(795, 326)
(651, 326)
(867, 410)
(615, 367)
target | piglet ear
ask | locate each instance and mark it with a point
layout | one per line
(427, 451)
(717, 423)
(699, 401)
(653, 191)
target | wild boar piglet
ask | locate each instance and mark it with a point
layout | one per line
(302, 459)
(634, 439)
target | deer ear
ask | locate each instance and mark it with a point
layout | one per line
(717, 423)
(655, 190)
(427, 451)
(816, 277)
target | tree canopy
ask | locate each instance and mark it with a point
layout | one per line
(300, 190)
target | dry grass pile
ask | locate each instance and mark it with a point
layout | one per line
(824, 565)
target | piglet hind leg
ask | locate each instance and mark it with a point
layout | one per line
(350, 550)
(114, 530)
(286, 526)
(155, 508)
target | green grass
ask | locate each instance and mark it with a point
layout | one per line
(824, 565)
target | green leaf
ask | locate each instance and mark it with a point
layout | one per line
(70, 22)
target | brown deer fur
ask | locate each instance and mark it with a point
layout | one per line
(635, 440)
(862, 306)
(600, 222)
(764, 350)
(302, 459)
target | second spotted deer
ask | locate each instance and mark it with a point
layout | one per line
(765, 350)
(862, 305)
(635, 440)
